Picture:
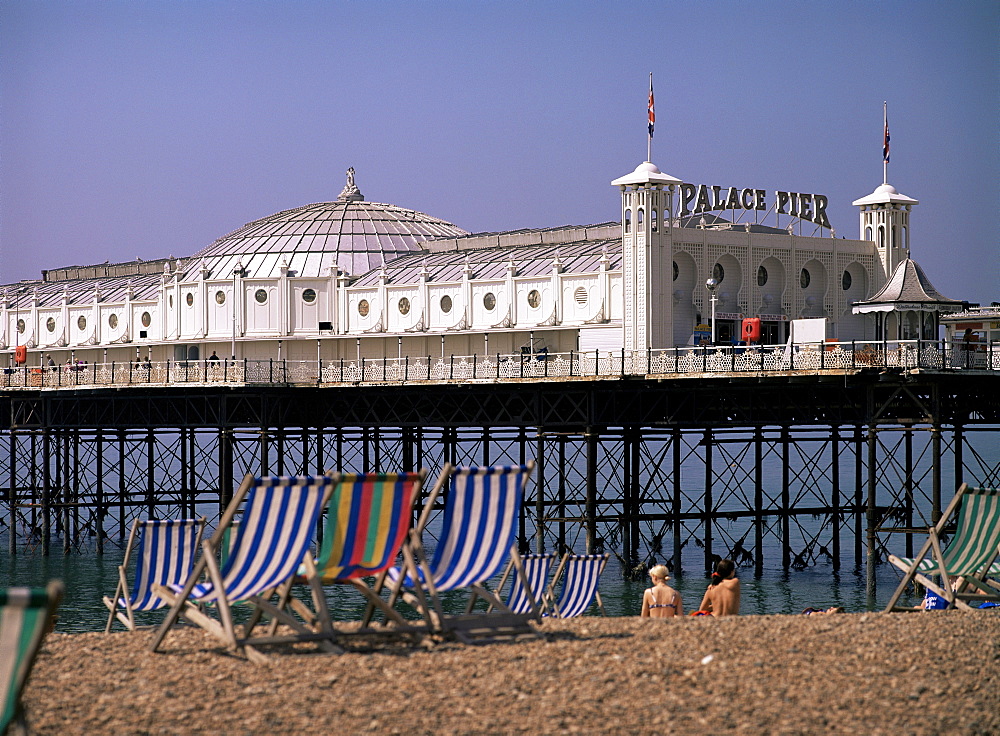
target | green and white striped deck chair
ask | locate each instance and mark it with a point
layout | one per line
(969, 558)
(25, 617)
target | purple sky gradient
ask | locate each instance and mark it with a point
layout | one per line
(152, 128)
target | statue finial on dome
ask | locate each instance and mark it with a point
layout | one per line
(350, 192)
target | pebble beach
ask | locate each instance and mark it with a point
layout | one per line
(873, 673)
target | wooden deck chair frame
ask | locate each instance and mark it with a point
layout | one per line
(955, 584)
(471, 627)
(124, 591)
(537, 568)
(26, 616)
(223, 629)
(321, 618)
(552, 602)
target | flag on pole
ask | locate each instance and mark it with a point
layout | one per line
(652, 112)
(885, 144)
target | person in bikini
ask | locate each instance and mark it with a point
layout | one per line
(661, 601)
(723, 595)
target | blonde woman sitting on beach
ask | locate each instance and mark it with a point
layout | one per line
(661, 601)
(723, 595)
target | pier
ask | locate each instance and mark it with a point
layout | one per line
(684, 455)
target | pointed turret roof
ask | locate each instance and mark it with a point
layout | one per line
(907, 285)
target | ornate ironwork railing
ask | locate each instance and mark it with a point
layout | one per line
(829, 356)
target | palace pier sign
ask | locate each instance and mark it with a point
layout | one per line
(811, 207)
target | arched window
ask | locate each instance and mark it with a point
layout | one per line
(628, 221)
(653, 219)
(881, 236)
(868, 233)
(638, 217)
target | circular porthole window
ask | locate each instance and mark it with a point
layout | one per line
(490, 301)
(580, 295)
(761, 276)
(677, 271)
(146, 319)
(50, 324)
(845, 280)
(189, 299)
(220, 297)
(719, 273)
(261, 296)
(113, 320)
(20, 325)
(309, 296)
(363, 307)
(81, 322)
(804, 278)
(404, 305)
(446, 304)
(534, 298)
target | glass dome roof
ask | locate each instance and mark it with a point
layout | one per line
(355, 235)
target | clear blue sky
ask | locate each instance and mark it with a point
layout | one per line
(152, 128)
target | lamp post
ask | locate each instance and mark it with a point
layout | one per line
(712, 285)
(238, 272)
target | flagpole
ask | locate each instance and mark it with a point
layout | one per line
(885, 132)
(649, 137)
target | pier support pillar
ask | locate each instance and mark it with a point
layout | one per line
(593, 445)
(871, 538)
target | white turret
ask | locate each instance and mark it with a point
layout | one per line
(647, 216)
(885, 219)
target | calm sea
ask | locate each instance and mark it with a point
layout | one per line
(89, 576)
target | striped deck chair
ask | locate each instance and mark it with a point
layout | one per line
(368, 518)
(536, 570)
(26, 615)
(582, 574)
(273, 539)
(969, 558)
(165, 552)
(478, 535)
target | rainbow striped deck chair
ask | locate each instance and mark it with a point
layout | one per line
(165, 551)
(26, 615)
(536, 570)
(969, 559)
(478, 536)
(280, 515)
(582, 573)
(368, 518)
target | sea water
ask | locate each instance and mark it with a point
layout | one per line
(89, 576)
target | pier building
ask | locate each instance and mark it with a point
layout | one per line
(352, 279)
(368, 337)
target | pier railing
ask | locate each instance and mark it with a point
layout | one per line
(704, 359)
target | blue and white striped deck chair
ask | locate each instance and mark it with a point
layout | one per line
(582, 573)
(478, 535)
(165, 556)
(273, 539)
(536, 570)
(969, 559)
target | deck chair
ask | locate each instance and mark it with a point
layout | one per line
(368, 518)
(26, 615)
(272, 540)
(165, 551)
(969, 557)
(581, 573)
(536, 570)
(478, 535)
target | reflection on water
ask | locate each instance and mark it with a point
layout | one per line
(89, 576)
